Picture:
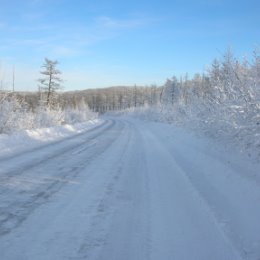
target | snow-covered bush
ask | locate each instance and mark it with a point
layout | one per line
(15, 114)
(79, 113)
(46, 117)
(223, 103)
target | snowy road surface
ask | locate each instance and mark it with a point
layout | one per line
(129, 190)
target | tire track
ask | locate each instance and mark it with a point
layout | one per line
(18, 204)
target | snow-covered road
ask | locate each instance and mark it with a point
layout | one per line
(129, 189)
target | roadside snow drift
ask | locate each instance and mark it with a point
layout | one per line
(27, 139)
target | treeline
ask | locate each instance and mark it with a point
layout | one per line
(99, 100)
(113, 98)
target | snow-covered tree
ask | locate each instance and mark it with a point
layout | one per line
(51, 80)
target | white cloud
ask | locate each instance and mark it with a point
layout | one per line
(29, 42)
(111, 23)
(68, 39)
(63, 51)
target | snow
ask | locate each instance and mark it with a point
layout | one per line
(28, 139)
(127, 189)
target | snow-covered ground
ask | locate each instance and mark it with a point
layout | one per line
(129, 189)
(28, 139)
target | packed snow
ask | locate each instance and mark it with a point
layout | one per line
(127, 189)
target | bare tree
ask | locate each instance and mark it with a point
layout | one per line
(51, 81)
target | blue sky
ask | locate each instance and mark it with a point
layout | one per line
(103, 43)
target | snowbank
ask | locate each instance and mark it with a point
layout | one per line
(28, 139)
